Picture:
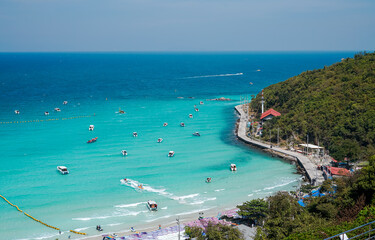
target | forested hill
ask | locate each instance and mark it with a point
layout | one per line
(334, 105)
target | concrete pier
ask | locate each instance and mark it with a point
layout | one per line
(310, 168)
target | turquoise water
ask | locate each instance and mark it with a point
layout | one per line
(147, 90)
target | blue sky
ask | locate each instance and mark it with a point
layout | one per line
(187, 25)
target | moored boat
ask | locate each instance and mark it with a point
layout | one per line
(160, 140)
(124, 152)
(57, 109)
(46, 113)
(201, 103)
(208, 180)
(196, 109)
(62, 169)
(65, 102)
(171, 154)
(91, 128)
(165, 124)
(135, 134)
(92, 140)
(233, 167)
(152, 206)
(190, 115)
(16, 111)
(197, 134)
(182, 124)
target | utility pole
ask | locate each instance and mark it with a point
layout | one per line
(178, 223)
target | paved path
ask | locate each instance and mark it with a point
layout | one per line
(310, 168)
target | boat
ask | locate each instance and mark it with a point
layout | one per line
(16, 111)
(92, 140)
(160, 140)
(57, 109)
(46, 113)
(124, 152)
(190, 115)
(121, 111)
(91, 128)
(182, 124)
(208, 180)
(196, 109)
(63, 170)
(201, 103)
(165, 124)
(171, 154)
(233, 167)
(258, 70)
(65, 102)
(197, 134)
(135, 134)
(140, 186)
(152, 206)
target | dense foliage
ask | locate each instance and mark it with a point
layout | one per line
(348, 203)
(214, 232)
(334, 106)
(255, 210)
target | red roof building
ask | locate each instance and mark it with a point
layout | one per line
(338, 171)
(270, 113)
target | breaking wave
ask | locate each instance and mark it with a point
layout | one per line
(218, 75)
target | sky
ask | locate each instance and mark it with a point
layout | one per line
(186, 25)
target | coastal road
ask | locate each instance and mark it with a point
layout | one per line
(311, 169)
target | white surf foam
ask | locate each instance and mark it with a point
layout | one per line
(217, 75)
(118, 214)
(194, 211)
(155, 219)
(280, 185)
(219, 190)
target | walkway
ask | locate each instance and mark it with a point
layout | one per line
(311, 169)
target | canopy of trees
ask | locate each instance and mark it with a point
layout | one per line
(335, 106)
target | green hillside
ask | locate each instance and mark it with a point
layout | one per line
(335, 106)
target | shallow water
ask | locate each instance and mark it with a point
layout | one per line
(146, 87)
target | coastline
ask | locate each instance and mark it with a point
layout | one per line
(309, 169)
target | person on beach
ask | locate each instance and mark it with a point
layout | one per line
(159, 227)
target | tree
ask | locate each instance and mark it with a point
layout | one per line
(255, 210)
(214, 232)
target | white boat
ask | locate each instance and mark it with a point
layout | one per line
(201, 103)
(57, 109)
(65, 102)
(233, 167)
(190, 115)
(63, 170)
(91, 128)
(171, 154)
(152, 206)
(165, 124)
(182, 124)
(16, 111)
(196, 109)
(160, 140)
(46, 113)
(124, 152)
(197, 134)
(208, 180)
(135, 134)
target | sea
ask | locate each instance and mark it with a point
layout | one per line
(151, 88)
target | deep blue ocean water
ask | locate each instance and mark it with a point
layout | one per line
(151, 89)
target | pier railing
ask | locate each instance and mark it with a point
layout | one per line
(365, 231)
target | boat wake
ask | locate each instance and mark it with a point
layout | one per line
(191, 199)
(218, 75)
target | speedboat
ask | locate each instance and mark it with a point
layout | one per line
(171, 154)
(121, 111)
(182, 124)
(190, 115)
(63, 170)
(124, 152)
(16, 111)
(165, 124)
(140, 186)
(196, 109)
(57, 109)
(92, 140)
(135, 134)
(160, 140)
(152, 206)
(208, 180)
(197, 134)
(65, 102)
(233, 167)
(201, 103)
(46, 113)
(91, 128)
